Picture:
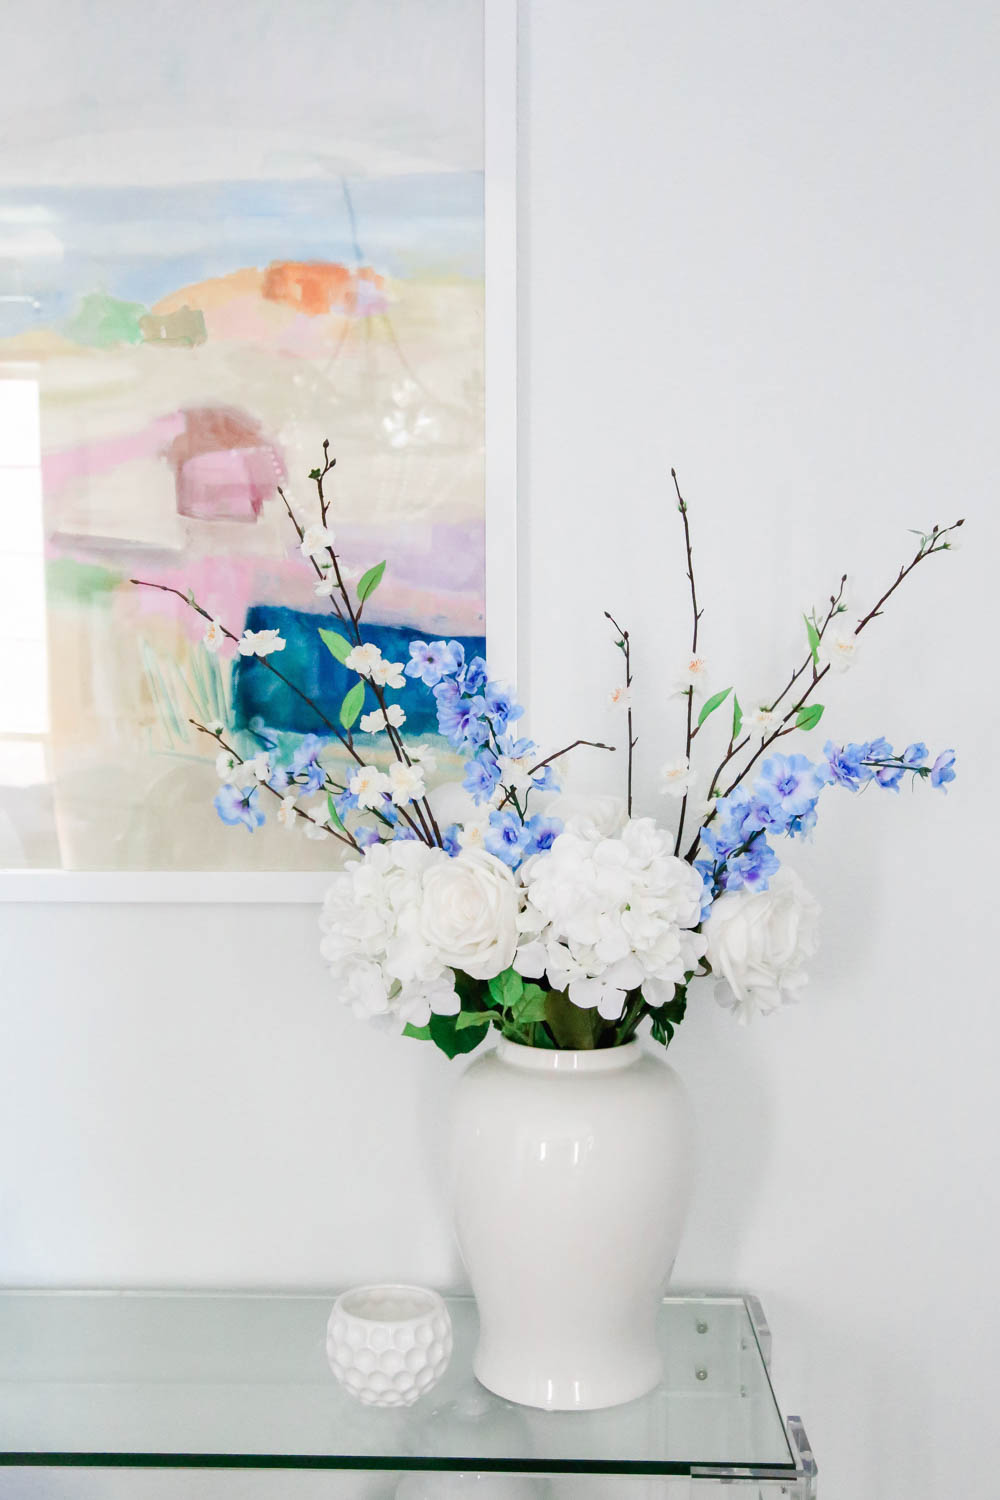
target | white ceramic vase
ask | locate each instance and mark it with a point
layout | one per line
(573, 1173)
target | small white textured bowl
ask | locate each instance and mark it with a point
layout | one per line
(388, 1345)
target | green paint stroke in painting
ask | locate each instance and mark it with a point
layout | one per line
(102, 321)
(71, 582)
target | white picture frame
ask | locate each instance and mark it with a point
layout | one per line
(500, 95)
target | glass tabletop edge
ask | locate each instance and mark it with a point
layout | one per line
(672, 1468)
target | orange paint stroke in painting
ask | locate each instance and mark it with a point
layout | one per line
(317, 287)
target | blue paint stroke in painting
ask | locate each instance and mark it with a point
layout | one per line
(259, 695)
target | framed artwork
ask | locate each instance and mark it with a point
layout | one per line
(274, 232)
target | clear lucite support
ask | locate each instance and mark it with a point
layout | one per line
(726, 1483)
(760, 1328)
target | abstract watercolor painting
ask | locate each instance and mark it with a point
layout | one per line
(170, 353)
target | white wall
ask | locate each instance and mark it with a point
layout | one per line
(760, 243)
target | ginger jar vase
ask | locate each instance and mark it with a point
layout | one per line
(572, 1177)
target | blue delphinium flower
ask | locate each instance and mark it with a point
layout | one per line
(884, 764)
(450, 841)
(460, 720)
(792, 782)
(802, 826)
(280, 780)
(239, 805)
(366, 836)
(542, 833)
(482, 775)
(846, 764)
(732, 826)
(943, 769)
(473, 678)
(752, 869)
(345, 802)
(516, 749)
(403, 833)
(915, 755)
(501, 706)
(431, 661)
(506, 838)
(706, 869)
(546, 779)
(305, 762)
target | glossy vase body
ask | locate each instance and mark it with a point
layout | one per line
(573, 1173)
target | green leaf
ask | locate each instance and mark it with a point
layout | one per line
(445, 1034)
(336, 644)
(737, 717)
(813, 635)
(712, 705)
(370, 581)
(531, 1006)
(421, 1033)
(467, 1018)
(352, 705)
(472, 993)
(507, 988)
(809, 716)
(315, 474)
(332, 813)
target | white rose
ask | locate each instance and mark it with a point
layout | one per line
(468, 914)
(758, 942)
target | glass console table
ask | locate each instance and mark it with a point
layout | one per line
(122, 1381)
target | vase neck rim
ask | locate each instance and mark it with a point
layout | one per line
(546, 1060)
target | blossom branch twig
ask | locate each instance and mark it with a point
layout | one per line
(345, 838)
(697, 613)
(624, 645)
(192, 603)
(428, 828)
(929, 545)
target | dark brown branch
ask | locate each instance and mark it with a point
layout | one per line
(626, 647)
(697, 613)
(594, 745)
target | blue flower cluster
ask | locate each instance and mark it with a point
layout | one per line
(782, 801)
(476, 716)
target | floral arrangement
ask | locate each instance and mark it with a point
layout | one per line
(500, 903)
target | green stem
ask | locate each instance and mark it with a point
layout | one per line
(574, 1029)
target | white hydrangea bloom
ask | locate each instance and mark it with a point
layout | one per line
(606, 915)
